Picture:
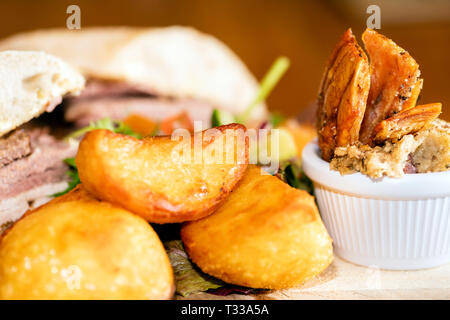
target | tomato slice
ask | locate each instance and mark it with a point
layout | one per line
(179, 121)
(141, 124)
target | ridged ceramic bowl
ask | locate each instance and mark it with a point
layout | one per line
(396, 224)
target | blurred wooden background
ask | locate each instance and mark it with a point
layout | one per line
(260, 30)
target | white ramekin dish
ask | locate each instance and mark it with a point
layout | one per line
(396, 224)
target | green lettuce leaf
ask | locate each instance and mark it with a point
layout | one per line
(276, 118)
(292, 173)
(188, 278)
(108, 124)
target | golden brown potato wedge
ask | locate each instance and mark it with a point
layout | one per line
(394, 73)
(342, 96)
(406, 122)
(265, 235)
(161, 179)
(76, 247)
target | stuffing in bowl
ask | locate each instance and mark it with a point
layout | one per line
(381, 163)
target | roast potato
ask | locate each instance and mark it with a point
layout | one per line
(79, 248)
(161, 179)
(266, 235)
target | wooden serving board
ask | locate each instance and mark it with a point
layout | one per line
(344, 280)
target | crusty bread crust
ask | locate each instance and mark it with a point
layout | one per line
(172, 61)
(32, 82)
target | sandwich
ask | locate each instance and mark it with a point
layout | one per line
(31, 166)
(157, 73)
